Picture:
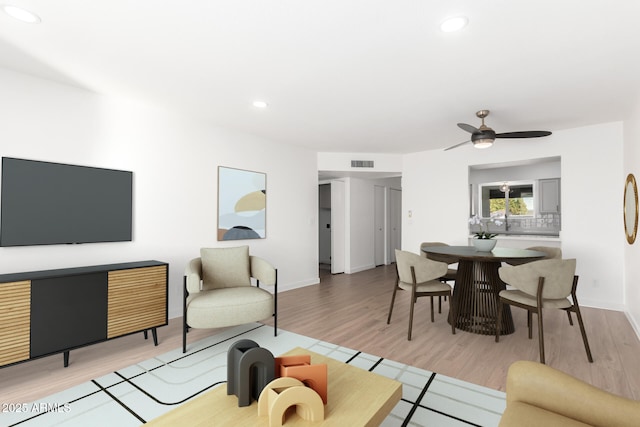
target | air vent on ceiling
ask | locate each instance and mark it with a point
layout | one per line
(361, 163)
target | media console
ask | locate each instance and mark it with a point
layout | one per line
(55, 311)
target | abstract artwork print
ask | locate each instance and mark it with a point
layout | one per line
(242, 204)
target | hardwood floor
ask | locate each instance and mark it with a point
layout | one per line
(351, 310)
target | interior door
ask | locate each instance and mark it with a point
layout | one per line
(378, 221)
(395, 222)
(338, 227)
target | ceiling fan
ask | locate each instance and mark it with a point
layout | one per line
(484, 136)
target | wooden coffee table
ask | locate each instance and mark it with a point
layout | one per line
(355, 398)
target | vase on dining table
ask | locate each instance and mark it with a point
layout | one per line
(484, 245)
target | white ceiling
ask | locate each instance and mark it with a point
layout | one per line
(345, 75)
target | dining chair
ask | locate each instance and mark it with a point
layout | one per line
(421, 276)
(451, 272)
(544, 284)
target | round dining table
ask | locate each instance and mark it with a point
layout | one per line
(477, 284)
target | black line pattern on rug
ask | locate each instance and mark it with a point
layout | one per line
(119, 402)
(417, 402)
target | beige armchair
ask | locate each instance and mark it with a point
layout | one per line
(218, 291)
(542, 284)
(538, 395)
(421, 276)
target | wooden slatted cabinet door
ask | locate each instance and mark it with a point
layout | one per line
(15, 323)
(137, 300)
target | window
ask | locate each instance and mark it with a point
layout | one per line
(507, 200)
(531, 203)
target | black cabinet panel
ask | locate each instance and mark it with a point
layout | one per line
(68, 312)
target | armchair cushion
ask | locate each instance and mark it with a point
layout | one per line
(225, 267)
(229, 306)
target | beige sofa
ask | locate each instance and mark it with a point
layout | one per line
(538, 395)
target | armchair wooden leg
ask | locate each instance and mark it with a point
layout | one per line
(393, 299)
(499, 320)
(452, 310)
(413, 303)
(570, 319)
(541, 336)
(539, 313)
(440, 305)
(432, 316)
(529, 324)
(583, 332)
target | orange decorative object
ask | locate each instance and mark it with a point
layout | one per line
(302, 359)
(299, 367)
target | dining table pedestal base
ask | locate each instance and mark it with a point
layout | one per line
(476, 298)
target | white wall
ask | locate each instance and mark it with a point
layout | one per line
(174, 159)
(435, 189)
(632, 252)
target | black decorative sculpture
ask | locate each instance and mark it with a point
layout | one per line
(249, 369)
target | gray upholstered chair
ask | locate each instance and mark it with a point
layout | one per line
(542, 284)
(421, 276)
(218, 290)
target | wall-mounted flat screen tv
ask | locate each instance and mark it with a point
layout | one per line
(44, 203)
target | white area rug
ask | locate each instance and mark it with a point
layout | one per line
(139, 393)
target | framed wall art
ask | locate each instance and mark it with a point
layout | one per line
(630, 208)
(242, 204)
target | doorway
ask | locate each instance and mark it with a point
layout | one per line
(359, 223)
(331, 227)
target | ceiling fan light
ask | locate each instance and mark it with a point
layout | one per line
(483, 143)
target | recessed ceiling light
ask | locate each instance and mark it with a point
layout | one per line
(454, 24)
(260, 104)
(21, 14)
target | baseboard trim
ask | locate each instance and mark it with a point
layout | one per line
(361, 268)
(634, 323)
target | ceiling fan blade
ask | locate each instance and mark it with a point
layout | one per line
(467, 127)
(525, 134)
(457, 145)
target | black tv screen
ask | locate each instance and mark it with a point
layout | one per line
(45, 203)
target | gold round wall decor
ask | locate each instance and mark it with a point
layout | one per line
(630, 208)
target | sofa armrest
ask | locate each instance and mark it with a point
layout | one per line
(538, 385)
(263, 271)
(193, 275)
